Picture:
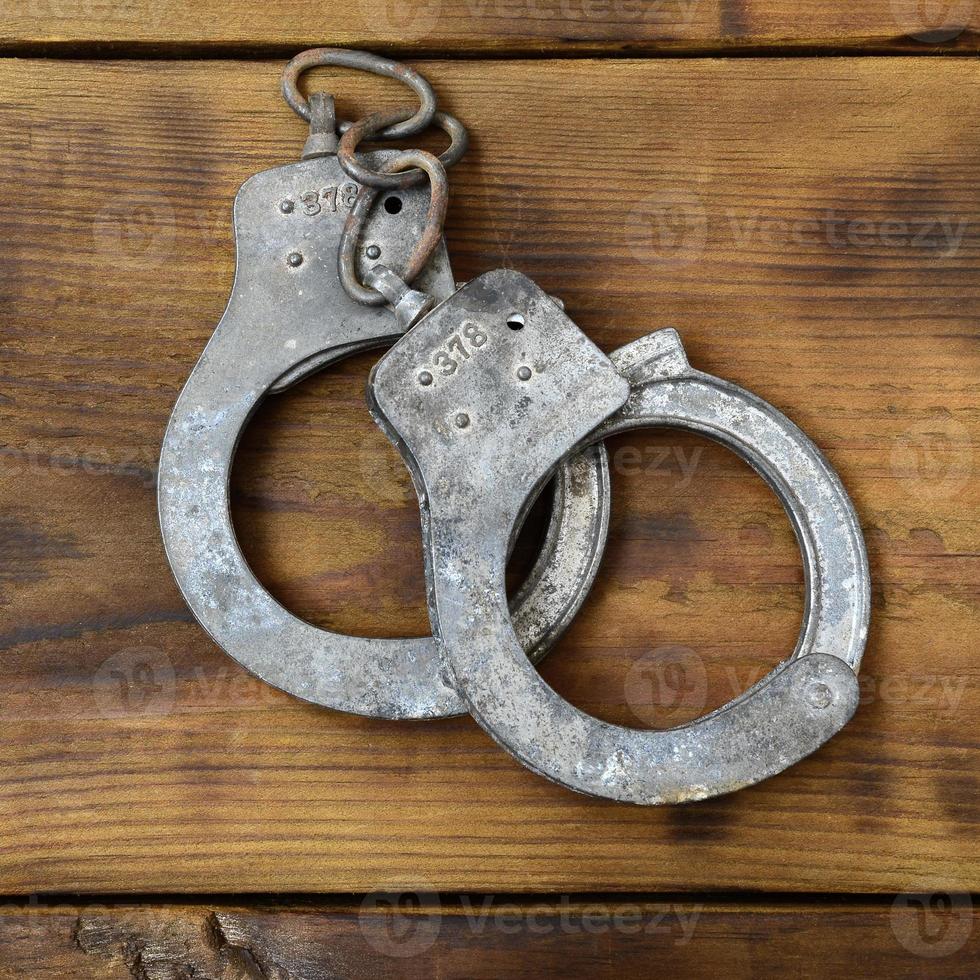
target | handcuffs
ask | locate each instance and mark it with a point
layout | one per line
(490, 391)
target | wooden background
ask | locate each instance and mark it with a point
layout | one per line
(811, 226)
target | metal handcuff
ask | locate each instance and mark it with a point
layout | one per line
(487, 394)
(288, 316)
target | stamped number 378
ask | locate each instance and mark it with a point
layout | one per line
(458, 348)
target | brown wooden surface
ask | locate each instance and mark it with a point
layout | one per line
(484, 937)
(495, 26)
(115, 206)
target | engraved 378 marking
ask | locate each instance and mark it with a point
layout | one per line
(458, 349)
(329, 199)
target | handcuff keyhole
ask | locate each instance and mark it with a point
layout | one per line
(393, 205)
(515, 321)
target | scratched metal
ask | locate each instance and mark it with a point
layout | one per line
(483, 439)
(287, 317)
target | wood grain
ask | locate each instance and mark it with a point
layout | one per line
(493, 26)
(483, 937)
(811, 228)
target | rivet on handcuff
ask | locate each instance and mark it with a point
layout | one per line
(492, 391)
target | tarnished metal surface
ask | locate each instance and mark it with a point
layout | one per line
(668, 392)
(287, 317)
(371, 127)
(409, 305)
(482, 439)
(360, 61)
(322, 140)
(426, 243)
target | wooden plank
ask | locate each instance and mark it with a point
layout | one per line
(823, 251)
(496, 26)
(477, 937)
